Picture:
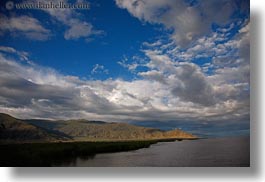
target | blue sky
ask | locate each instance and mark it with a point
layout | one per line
(78, 57)
(127, 60)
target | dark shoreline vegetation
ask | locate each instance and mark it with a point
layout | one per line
(60, 153)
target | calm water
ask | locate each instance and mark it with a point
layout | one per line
(204, 152)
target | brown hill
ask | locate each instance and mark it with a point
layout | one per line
(81, 130)
(15, 130)
(12, 129)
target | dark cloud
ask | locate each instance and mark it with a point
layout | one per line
(194, 87)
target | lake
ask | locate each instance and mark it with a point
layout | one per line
(231, 152)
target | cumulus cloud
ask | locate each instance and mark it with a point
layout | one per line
(23, 26)
(153, 75)
(217, 87)
(185, 81)
(170, 90)
(188, 21)
(172, 86)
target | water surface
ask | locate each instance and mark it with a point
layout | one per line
(233, 151)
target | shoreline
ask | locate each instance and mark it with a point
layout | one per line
(59, 153)
(6, 142)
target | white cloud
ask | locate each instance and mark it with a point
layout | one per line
(153, 75)
(169, 90)
(170, 87)
(21, 54)
(188, 88)
(76, 27)
(184, 80)
(188, 22)
(23, 26)
(99, 69)
(132, 66)
(245, 29)
(78, 30)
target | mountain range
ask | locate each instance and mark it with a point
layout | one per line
(37, 130)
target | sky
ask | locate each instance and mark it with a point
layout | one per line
(165, 63)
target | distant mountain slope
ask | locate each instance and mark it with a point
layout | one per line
(77, 130)
(99, 130)
(116, 131)
(12, 129)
